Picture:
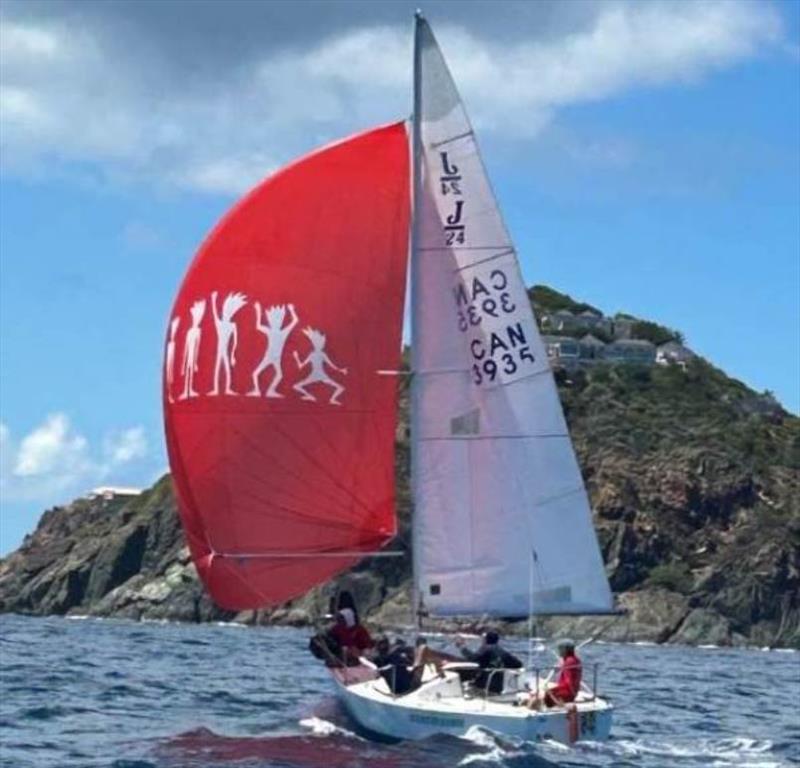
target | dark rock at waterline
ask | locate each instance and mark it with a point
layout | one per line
(108, 558)
(697, 508)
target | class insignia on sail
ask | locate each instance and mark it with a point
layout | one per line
(280, 430)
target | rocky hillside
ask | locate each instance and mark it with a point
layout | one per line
(694, 478)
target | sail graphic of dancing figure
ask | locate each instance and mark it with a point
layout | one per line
(191, 349)
(318, 359)
(276, 335)
(169, 365)
(227, 338)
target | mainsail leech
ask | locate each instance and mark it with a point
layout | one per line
(280, 429)
(497, 488)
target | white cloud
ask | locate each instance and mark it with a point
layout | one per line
(72, 96)
(54, 462)
(6, 454)
(52, 448)
(125, 446)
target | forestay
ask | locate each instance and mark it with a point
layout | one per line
(280, 428)
(500, 504)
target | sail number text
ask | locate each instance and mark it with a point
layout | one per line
(485, 310)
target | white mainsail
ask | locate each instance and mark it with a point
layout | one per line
(502, 523)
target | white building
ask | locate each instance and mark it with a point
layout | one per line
(109, 492)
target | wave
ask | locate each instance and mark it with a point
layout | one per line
(320, 727)
(497, 750)
(722, 752)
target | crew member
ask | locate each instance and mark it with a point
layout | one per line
(490, 656)
(352, 637)
(396, 665)
(569, 679)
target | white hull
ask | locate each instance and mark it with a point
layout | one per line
(439, 706)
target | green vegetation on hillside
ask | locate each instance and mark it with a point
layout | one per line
(694, 481)
(545, 299)
(657, 334)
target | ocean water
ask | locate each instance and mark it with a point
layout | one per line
(127, 695)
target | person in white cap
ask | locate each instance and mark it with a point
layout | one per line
(569, 679)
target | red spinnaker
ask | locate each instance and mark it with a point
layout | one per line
(280, 428)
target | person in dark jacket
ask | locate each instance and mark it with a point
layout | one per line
(490, 656)
(396, 665)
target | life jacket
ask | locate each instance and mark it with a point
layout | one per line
(569, 679)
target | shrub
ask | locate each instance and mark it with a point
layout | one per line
(674, 576)
(655, 333)
(551, 300)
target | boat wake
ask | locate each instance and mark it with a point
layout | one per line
(204, 747)
(722, 753)
(329, 745)
(497, 749)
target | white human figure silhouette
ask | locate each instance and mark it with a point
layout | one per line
(170, 361)
(276, 335)
(318, 360)
(191, 349)
(227, 338)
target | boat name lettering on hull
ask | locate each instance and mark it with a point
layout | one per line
(437, 721)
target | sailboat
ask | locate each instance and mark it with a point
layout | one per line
(280, 402)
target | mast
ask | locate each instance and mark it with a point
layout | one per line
(416, 151)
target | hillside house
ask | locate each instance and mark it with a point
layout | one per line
(674, 353)
(109, 493)
(622, 327)
(590, 349)
(561, 320)
(636, 351)
(593, 321)
(562, 350)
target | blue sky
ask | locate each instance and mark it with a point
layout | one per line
(645, 156)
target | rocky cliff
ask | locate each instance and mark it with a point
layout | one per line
(694, 479)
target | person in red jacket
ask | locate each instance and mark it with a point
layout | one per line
(352, 637)
(569, 679)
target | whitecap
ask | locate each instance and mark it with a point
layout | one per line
(320, 727)
(497, 748)
(723, 752)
